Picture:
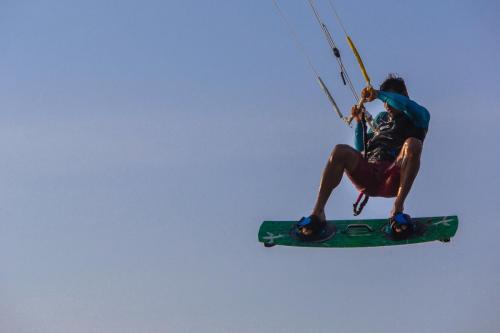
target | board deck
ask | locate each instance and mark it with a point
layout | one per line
(360, 233)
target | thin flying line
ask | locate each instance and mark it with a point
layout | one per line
(295, 37)
(338, 17)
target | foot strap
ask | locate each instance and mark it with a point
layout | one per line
(321, 230)
(312, 222)
(397, 222)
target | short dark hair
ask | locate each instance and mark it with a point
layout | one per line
(394, 83)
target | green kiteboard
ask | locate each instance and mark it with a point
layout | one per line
(360, 233)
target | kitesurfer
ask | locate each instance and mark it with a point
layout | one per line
(390, 163)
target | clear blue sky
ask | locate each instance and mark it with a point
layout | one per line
(143, 142)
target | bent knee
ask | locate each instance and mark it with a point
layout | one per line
(413, 146)
(342, 151)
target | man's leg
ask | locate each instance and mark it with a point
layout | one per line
(342, 158)
(409, 161)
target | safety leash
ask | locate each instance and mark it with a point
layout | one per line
(358, 206)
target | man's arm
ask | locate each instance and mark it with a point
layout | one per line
(358, 137)
(417, 113)
(358, 131)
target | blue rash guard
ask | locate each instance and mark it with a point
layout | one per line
(412, 121)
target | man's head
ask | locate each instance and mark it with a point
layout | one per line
(394, 83)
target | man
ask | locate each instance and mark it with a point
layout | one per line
(392, 157)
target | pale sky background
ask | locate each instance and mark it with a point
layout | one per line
(142, 143)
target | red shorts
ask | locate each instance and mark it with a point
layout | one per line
(376, 179)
